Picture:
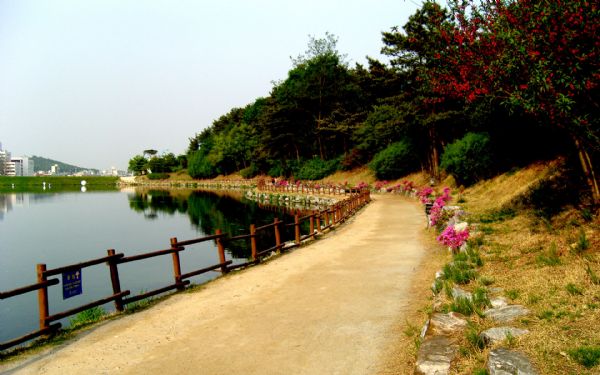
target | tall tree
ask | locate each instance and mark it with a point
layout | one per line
(415, 53)
(539, 56)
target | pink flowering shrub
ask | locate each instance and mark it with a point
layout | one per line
(380, 184)
(407, 186)
(362, 185)
(425, 195)
(454, 238)
(435, 215)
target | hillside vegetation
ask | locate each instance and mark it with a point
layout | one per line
(474, 89)
(44, 165)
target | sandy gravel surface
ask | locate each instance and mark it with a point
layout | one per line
(326, 308)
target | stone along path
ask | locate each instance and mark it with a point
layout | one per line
(326, 308)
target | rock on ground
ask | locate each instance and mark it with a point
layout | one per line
(435, 356)
(499, 334)
(505, 362)
(506, 314)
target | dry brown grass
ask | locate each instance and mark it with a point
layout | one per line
(353, 177)
(537, 263)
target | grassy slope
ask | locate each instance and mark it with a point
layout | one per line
(538, 263)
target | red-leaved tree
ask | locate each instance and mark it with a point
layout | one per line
(542, 56)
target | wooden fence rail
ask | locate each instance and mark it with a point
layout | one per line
(318, 222)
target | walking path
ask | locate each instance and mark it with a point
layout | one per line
(326, 308)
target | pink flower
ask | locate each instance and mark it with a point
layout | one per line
(425, 195)
(452, 238)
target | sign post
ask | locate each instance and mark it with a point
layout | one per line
(71, 282)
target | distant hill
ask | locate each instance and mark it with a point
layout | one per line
(44, 164)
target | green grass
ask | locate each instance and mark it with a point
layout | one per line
(592, 275)
(587, 356)
(459, 272)
(55, 183)
(551, 258)
(463, 306)
(473, 337)
(86, 317)
(497, 215)
(513, 294)
(139, 305)
(573, 290)
(582, 243)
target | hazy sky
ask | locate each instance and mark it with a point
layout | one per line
(94, 82)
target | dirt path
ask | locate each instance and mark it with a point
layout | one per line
(327, 308)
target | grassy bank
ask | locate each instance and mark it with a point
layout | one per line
(55, 183)
(57, 180)
(539, 248)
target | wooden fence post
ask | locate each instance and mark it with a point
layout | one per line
(297, 228)
(42, 296)
(176, 265)
(334, 214)
(277, 235)
(318, 219)
(221, 250)
(114, 279)
(312, 225)
(253, 241)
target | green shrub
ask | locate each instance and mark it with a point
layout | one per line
(469, 159)
(157, 176)
(249, 172)
(397, 160)
(316, 169)
(200, 167)
(275, 171)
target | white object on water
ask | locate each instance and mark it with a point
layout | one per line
(83, 189)
(83, 182)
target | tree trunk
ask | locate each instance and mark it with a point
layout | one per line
(588, 171)
(434, 157)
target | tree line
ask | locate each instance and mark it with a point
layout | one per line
(472, 88)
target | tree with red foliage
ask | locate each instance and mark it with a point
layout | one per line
(541, 56)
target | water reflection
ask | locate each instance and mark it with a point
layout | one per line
(210, 211)
(9, 201)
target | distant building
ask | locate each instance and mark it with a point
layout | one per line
(4, 161)
(21, 166)
(54, 169)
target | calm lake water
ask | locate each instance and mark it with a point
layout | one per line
(62, 228)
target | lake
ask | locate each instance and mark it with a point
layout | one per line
(61, 228)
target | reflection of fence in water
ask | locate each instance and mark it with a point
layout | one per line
(263, 241)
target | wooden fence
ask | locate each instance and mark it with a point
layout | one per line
(318, 222)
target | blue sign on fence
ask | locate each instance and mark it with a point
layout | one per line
(71, 282)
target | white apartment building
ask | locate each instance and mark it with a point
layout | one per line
(21, 166)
